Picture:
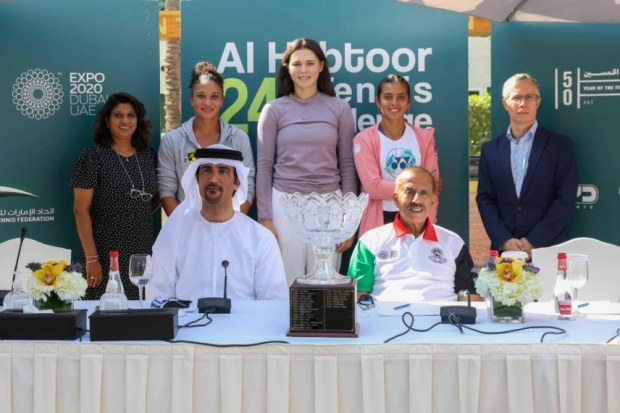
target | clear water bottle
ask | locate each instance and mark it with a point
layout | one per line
(17, 298)
(563, 292)
(114, 271)
(113, 299)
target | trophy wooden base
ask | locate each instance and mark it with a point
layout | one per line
(331, 334)
(323, 310)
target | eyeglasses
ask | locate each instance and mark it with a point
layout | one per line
(526, 98)
(136, 193)
(365, 302)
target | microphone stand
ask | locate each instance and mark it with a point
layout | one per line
(3, 293)
(217, 305)
(19, 251)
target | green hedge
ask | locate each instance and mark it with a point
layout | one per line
(479, 122)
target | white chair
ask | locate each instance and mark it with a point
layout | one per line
(32, 251)
(604, 279)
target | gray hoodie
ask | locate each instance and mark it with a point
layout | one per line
(177, 148)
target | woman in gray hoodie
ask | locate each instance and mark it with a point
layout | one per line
(177, 147)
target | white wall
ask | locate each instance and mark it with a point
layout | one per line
(479, 63)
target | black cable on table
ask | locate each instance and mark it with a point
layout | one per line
(410, 327)
(228, 345)
(84, 331)
(611, 339)
(192, 324)
(455, 321)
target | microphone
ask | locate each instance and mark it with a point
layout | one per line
(225, 265)
(216, 305)
(24, 231)
(3, 293)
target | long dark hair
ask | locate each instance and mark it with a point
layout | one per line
(141, 137)
(285, 83)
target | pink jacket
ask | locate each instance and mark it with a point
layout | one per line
(366, 150)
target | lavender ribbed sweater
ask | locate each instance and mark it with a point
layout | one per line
(304, 146)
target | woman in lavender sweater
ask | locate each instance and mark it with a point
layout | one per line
(305, 141)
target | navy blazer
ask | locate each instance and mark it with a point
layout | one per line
(547, 201)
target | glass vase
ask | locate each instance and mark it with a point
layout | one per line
(53, 303)
(500, 313)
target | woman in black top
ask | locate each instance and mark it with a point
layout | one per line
(115, 192)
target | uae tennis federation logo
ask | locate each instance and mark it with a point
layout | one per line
(37, 94)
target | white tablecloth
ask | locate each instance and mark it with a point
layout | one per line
(441, 371)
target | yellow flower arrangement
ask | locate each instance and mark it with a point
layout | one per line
(509, 271)
(56, 280)
(509, 281)
(50, 272)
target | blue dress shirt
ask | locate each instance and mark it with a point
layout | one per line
(519, 155)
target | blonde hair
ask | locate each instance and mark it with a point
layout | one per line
(510, 83)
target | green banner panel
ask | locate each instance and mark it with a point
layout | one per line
(578, 68)
(364, 41)
(60, 61)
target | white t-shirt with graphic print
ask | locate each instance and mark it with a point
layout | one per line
(396, 156)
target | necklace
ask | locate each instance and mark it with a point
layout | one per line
(390, 137)
(134, 193)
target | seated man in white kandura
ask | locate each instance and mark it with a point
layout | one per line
(207, 229)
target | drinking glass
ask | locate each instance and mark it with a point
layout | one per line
(140, 272)
(577, 275)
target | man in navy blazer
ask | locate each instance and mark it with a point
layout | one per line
(527, 177)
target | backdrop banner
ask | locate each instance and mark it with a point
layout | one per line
(60, 61)
(578, 68)
(364, 41)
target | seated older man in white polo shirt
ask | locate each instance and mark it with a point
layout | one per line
(411, 259)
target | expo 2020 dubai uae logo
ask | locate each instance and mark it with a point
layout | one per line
(37, 94)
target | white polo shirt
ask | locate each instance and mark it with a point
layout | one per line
(396, 266)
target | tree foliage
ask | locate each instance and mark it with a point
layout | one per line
(479, 122)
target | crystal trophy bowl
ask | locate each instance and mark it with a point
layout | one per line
(323, 220)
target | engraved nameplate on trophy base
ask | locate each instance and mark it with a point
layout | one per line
(323, 310)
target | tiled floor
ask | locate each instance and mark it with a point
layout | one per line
(479, 243)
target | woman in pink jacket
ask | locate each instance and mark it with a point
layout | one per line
(382, 151)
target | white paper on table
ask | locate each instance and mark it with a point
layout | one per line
(386, 308)
(600, 308)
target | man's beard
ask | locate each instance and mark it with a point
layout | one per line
(213, 200)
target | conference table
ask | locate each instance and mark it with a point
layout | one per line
(221, 368)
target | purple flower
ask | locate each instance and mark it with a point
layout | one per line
(73, 267)
(34, 266)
